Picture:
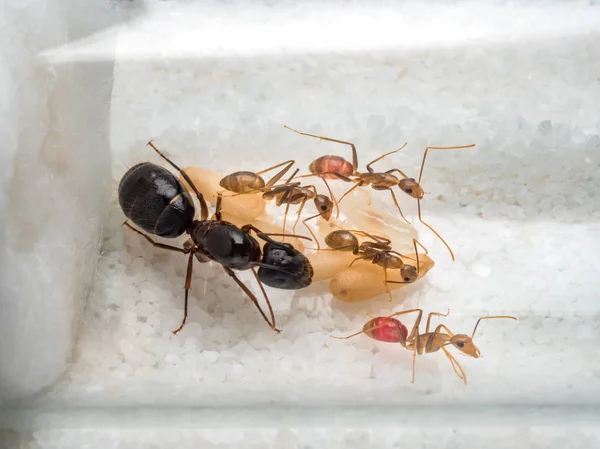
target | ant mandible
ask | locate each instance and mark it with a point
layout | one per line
(381, 329)
(156, 201)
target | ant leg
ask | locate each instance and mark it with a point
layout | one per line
(361, 258)
(286, 189)
(416, 344)
(310, 230)
(456, 366)
(354, 156)
(287, 208)
(247, 228)
(439, 148)
(397, 205)
(419, 182)
(374, 245)
(188, 284)
(489, 317)
(156, 244)
(218, 207)
(250, 295)
(262, 289)
(337, 208)
(278, 175)
(397, 170)
(433, 230)
(385, 280)
(416, 242)
(358, 184)
(443, 327)
(299, 213)
(203, 206)
(377, 238)
(293, 176)
(370, 170)
(364, 331)
(435, 314)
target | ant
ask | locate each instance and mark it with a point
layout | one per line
(156, 201)
(243, 182)
(385, 180)
(293, 193)
(378, 251)
(382, 329)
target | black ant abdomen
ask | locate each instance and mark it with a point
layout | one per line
(154, 199)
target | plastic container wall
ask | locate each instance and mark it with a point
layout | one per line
(54, 177)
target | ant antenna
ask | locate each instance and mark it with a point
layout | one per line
(487, 318)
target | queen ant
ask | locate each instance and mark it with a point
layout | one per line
(158, 203)
(379, 180)
(382, 329)
(378, 251)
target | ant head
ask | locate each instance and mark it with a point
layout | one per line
(324, 206)
(464, 344)
(409, 273)
(411, 187)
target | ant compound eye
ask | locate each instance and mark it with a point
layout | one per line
(409, 191)
(323, 208)
(407, 279)
(460, 344)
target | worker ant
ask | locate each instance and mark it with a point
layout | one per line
(382, 329)
(378, 251)
(155, 201)
(380, 180)
(294, 193)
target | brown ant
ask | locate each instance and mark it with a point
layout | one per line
(378, 251)
(158, 203)
(293, 193)
(383, 180)
(427, 342)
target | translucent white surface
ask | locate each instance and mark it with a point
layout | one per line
(520, 210)
(54, 166)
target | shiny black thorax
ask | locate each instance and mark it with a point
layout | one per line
(226, 243)
(292, 271)
(155, 200)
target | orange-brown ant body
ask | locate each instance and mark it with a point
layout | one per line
(427, 342)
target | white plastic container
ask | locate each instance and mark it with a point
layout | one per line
(55, 173)
(214, 86)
